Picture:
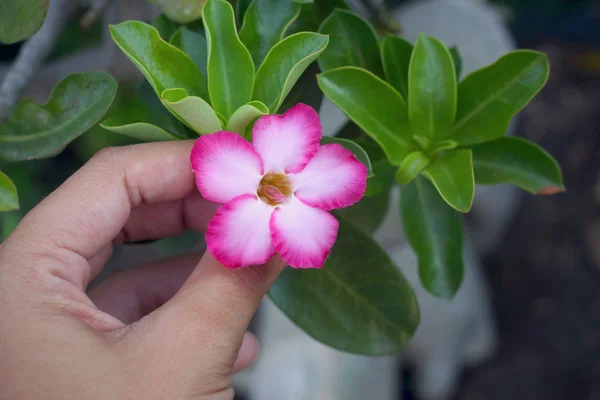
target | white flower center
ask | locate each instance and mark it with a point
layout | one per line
(274, 189)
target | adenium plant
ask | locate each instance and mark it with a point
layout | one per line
(246, 79)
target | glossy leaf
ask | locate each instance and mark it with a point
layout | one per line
(244, 115)
(230, 67)
(165, 27)
(164, 65)
(306, 91)
(395, 55)
(359, 302)
(431, 89)
(358, 151)
(193, 44)
(192, 110)
(284, 65)
(517, 161)
(452, 175)
(20, 19)
(456, 60)
(9, 199)
(352, 43)
(182, 11)
(135, 119)
(265, 24)
(411, 166)
(490, 97)
(76, 104)
(434, 231)
(373, 105)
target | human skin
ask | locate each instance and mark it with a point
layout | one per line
(175, 329)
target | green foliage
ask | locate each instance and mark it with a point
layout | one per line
(452, 175)
(359, 302)
(412, 165)
(230, 67)
(517, 161)
(352, 43)
(456, 60)
(20, 19)
(192, 110)
(358, 151)
(395, 55)
(190, 39)
(243, 117)
(265, 24)
(40, 131)
(9, 199)
(284, 65)
(181, 11)
(434, 231)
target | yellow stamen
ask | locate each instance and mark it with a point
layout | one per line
(274, 189)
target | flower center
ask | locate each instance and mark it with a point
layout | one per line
(274, 189)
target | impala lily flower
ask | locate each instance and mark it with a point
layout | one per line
(276, 191)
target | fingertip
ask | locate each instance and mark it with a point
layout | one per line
(247, 354)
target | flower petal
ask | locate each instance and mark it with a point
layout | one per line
(287, 142)
(239, 234)
(334, 178)
(303, 235)
(226, 166)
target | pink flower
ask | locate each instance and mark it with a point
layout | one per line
(276, 191)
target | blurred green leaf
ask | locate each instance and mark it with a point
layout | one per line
(181, 11)
(373, 105)
(431, 89)
(265, 24)
(325, 7)
(9, 199)
(490, 97)
(303, 1)
(192, 111)
(517, 161)
(352, 43)
(306, 21)
(452, 175)
(165, 27)
(76, 104)
(192, 43)
(456, 60)
(230, 67)
(9, 221)
(240, 9)
(359, 302)
(411, 166)
(395, 55)
(20, 19)
(244, 115)
(284, 64)
(178, 245)
(358, 151)
(434, 231)
(164, 65)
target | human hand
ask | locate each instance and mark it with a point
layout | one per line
(140, 334)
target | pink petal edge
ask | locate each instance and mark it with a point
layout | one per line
(302, 235)
(289, 141)
(239, 233)
(334, 178)
(225, 166)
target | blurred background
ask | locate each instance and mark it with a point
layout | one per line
(544, 272)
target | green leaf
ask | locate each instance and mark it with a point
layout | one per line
(434, 231)
(517, 161)
(358, 151)
(306, 91)
(39, 131)
(244, 116)
(240, 9)
(284, 64)
(452, 175)
(412, 166)
(359, 302)
(178, 245)
(265, 23)
(325, 7)
(163, 65)
(9, 221)
(165, 27)
(456, 60)
(182, 11)
(230, 67)
(431, 89)
(193, 44)
(303, 1)
(373, 105)
(306, 21)
(192, 110)
(490, 97)
(135, 119)
(9, 199)
(353, 43)
(395, 55)
(20, 19)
